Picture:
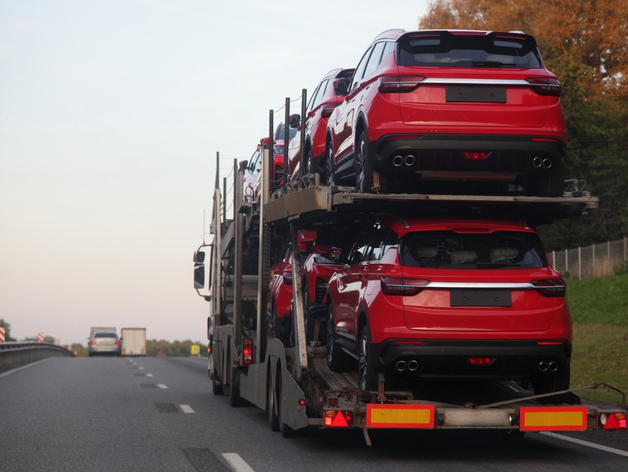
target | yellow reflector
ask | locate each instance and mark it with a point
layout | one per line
(553, 419)
(399, 416)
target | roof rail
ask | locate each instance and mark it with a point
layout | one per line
(388, 32)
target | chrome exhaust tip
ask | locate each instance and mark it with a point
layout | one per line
(543, 366)
(401, 366)
(397, 161)
(409, 160)
(537, 162)
(413, 365)
(547, 163)
(553, 366)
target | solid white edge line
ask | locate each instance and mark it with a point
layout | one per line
(186, 408)
(24, 367)
(619, 452)
(236, 462)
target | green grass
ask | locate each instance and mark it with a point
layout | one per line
(599, 310)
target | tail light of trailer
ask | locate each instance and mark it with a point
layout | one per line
(399, 84)
(550, 287)
(338, 419)
(401, 286)
(612, 420)
(247, 351)
(545, 86)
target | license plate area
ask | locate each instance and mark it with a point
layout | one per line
(480, 297)
(476, 93)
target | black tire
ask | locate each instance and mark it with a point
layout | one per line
(271, 405)
(337, 359)
(217, 387)
(363, 168)
(235, 400)
(552, 383)
(367, 374)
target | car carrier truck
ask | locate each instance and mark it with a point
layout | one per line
(292, 383)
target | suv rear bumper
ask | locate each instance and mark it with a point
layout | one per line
(452, 359)
(441, 156)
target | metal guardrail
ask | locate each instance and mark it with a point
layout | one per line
(14, 355)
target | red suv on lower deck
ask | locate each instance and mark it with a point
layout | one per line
(450, 298)
(429, 108)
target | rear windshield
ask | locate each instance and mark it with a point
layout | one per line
(105, 335)
(450, 250)
(449, 50)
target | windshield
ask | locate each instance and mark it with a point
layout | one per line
(449, 50)
(451, 250)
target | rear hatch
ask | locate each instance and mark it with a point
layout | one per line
(477, 282)
(474, 80)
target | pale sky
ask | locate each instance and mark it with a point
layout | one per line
(111, 114)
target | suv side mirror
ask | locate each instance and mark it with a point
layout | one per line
(341, 86)
(295, 120)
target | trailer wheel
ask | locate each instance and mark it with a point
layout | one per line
(363, 169)
(337, 359)
(552, 383)
(273, 419)
(235, 400)
(366, 371)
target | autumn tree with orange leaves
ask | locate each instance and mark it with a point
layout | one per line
(585, 43)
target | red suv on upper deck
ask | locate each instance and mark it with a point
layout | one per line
(450, 298)
(322, 102)
(476, 109)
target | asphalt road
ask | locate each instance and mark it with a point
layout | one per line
(150, 414)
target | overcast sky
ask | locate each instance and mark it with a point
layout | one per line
(111, 114)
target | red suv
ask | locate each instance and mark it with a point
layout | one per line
(450, 298)
(458, 110)
(322, 102)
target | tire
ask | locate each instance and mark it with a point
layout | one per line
(552, 383)
(271, 403)
(217, 388)
(363, 168)
(367, 374)
(337, 359)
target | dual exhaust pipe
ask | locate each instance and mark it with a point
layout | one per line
(542, 162)
(548, 366)
(411, 365)
(407, 161)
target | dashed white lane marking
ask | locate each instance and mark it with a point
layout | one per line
(141, 368)
(186, 408)
(24, 367)
(149, 375)
(619, 452)
(236, 462)
(165, 387)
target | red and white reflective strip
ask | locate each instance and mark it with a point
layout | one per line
(40, 337)
(2, 334)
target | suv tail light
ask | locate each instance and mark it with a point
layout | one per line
(399, 286)
(544, 86)
(327, 109)
(399, 84)
(550, 287)
(117, 342)
(93, 342)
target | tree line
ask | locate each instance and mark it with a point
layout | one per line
(585, 43)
